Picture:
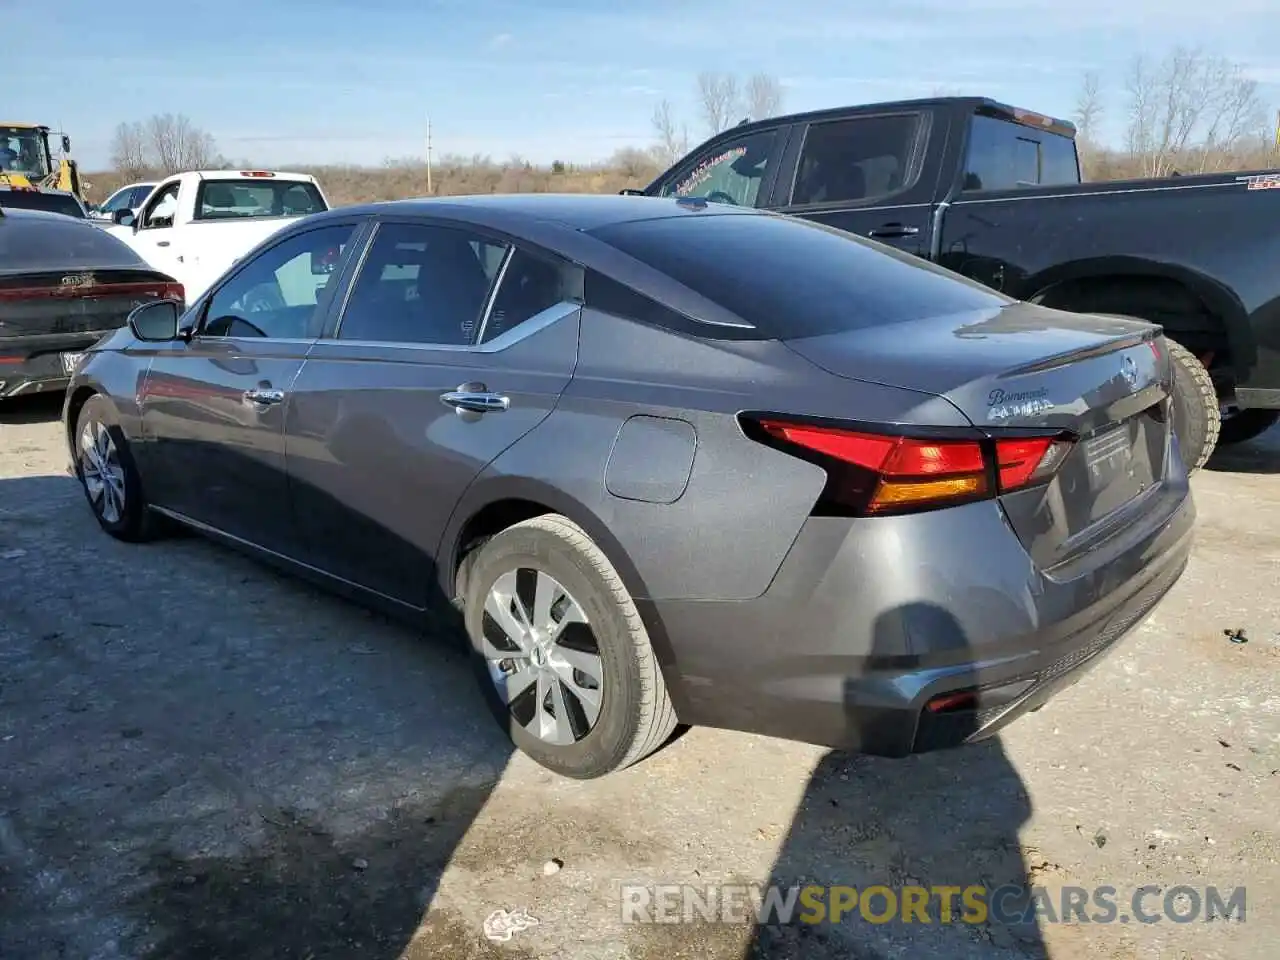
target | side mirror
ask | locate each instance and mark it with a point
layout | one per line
(156, 322)
(123, 218)
(66, 144)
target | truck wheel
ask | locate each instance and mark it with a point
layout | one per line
(1197, 417)
(560, 651)
(1241, 425)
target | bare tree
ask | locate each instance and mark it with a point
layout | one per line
(177, 144)
(764, 96)
(1189, 110)
(672, 143)
(129, 151)
(718, 98)
(1088, 112)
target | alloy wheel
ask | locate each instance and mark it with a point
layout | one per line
(542, 656)
(102, 471)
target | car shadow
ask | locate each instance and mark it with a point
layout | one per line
(1259, 455)
(948, 818)
(199, 763)
(36, 408)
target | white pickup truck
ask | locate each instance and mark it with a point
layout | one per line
(194, 225)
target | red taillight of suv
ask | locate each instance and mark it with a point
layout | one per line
(874, 474)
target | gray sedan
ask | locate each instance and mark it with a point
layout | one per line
(664, 461)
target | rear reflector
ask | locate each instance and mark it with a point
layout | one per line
(872, 474)
(156, 289)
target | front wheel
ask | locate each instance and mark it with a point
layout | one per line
(1197, 419)
(561, 653)
(108, 475)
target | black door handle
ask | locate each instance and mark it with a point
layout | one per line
(893, 230)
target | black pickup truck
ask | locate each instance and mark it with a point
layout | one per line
(995, 193)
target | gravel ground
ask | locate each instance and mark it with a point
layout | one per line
(200, 759)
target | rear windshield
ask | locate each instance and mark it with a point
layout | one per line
(792, 278)
(51, 202)
(233, 199)
(1004, 155)
(30, 243)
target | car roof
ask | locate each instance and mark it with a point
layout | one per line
(513, 211)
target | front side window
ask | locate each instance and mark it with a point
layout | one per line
(120, 200)
(851, 161)
(277, 294)
(423, 284)
(731, 173)
(161, 210)
(140, 194)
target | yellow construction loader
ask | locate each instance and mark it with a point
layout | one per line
(26, 162)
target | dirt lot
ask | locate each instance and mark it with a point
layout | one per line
(201, 759)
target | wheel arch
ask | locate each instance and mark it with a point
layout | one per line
(496, 501)
(75, 402)
(1133, 284)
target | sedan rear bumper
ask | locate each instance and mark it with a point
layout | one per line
(908, 634)
(44, 372)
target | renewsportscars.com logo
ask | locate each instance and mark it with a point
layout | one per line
(974, 904)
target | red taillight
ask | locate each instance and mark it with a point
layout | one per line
(173, 291)
(873, 474)
(1026, 461)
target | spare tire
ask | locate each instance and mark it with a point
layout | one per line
(1197, 418)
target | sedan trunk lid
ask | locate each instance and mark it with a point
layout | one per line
(1103, 380)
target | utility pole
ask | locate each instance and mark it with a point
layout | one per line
(429, 190)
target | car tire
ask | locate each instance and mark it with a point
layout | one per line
(1197, 419)
(627, 714)
(118, 503)
(1243, 425)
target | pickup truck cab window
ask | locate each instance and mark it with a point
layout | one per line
(1008, 156)
(857, 160)
(730, 172)
(277, 293)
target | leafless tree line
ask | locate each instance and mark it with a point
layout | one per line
(160, 145)
(722, 101)
(1189, 112)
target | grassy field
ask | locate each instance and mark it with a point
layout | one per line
(349, 184)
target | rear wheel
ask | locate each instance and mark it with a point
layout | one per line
(1241, 425)
(1196, 415)
(560, 651)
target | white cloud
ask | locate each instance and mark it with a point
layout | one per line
(500, 40)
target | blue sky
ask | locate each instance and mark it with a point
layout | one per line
(324, 80)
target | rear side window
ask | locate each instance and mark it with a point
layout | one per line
(729, 173)
(422, 283)
(1003, 155)
(848, 161)
(233, 199)
(791, 278)
(49, 243)
(530, 284)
